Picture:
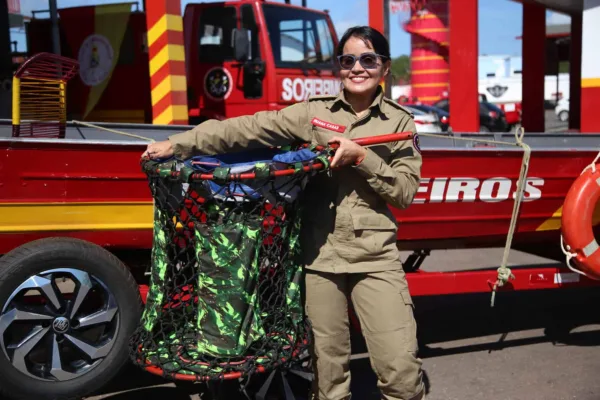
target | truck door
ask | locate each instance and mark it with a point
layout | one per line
(215, 79)
(302, 45)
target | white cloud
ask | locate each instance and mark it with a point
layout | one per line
(555, 18)
(342, 26)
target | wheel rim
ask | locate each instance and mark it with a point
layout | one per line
(52, 333)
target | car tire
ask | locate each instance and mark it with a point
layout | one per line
(563, 116)
(82, 341)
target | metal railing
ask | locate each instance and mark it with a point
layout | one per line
(39, 106)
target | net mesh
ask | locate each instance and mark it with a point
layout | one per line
(224, 298)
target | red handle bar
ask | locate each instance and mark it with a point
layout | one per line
(392, 137)
(364, 141)
(372, 140)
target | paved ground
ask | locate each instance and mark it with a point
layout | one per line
(553, 124)
(542, 345)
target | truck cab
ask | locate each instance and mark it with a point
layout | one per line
(241, 57)
(247, 56)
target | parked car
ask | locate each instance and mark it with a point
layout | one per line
(562, 110)
(491, 117)
(512, 111)
(443, 116)
(425, 122)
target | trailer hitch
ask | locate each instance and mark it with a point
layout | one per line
(413, 262)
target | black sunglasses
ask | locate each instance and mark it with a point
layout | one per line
(366, 60)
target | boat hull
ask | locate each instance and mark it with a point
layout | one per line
(93, 188)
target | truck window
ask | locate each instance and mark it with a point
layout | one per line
(249, 22)
(215, 34)
(299, 38)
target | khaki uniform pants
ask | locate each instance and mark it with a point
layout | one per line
(385, 311)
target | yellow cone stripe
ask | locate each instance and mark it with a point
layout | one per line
(426, 58)
(170, 83)
(172, 113)
(171, 52)
(590, 82)
(167, 22)
(429, 71)
(36, 217)
(427, 45)
(431, 30)
(437, 84)
(428, 16)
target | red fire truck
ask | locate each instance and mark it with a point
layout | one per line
(282, 54)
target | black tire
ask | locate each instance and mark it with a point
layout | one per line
(563, 116)
(102, 267)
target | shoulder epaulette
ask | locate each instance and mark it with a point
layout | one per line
(322, 97)
(398, 106)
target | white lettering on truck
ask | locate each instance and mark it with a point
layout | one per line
(300, 89)
(465, 190)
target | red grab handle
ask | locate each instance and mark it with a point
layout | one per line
(392, 137)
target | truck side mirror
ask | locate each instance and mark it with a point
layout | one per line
(241, 44)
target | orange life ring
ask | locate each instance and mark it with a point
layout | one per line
(576, 221)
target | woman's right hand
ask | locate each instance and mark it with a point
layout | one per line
(162, 149)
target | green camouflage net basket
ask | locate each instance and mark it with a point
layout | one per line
(224, 299)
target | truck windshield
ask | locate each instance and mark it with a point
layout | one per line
(216, 27)
(299, 38)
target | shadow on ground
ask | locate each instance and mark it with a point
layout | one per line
(458, 320)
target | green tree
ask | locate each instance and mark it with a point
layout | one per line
(401, 68)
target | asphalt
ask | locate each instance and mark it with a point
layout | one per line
(531, 345)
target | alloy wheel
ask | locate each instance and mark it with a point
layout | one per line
(59, 324)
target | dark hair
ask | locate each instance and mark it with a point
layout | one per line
(371, 37)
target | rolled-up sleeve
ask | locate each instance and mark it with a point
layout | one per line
(397, 181)
(263, 129)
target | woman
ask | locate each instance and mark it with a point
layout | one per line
(349, 234)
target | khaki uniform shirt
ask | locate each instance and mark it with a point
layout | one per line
(347, 225)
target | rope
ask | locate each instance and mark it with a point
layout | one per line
(504, 273)
(566, 249)
(112, 130)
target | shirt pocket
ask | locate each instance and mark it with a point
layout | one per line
(375, 234)
(322, 136)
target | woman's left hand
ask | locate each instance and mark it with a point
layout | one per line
(348, 152)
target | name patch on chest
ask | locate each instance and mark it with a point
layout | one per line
(328, 125)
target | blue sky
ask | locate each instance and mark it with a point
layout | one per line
(500, 21)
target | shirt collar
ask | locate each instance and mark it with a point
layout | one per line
(377, 101)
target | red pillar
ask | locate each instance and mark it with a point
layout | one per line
(167, 62)
(464, 49)
(376, 19)
(534, 62)
(590, 68)
(575, 73)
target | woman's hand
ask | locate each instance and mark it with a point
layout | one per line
(162, 149)
(348, 152)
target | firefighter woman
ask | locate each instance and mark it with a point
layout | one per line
(349, 234)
